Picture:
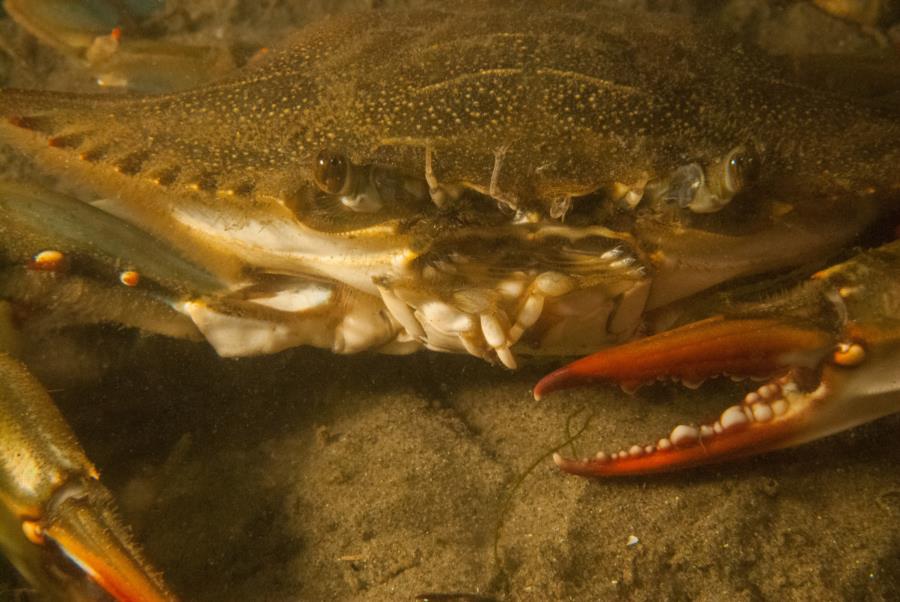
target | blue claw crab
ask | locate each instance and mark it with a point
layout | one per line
(501, 183)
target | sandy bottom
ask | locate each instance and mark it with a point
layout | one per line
(305, 476)
(311, 477)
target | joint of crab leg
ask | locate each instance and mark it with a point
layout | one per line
(440, 194)
(527, 317)
(546, 284)
(506, 199)
(402, 312)
(692, 353)
(33, 531)
(49, 489)
(495, 335)
(499, 155)
(83, 527)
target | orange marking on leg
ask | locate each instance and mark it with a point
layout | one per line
(130, 278)
(849, 354)
(47, 261)
(33, 531)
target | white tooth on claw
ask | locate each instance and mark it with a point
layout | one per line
(493, 331)
(649, 449)
(762, 412)
(601, 457)
(636, 451)
(751, 398)
(706, 431)
(664, 444)
(733, 417)
(684, 435)
(769, 391)
(779, 407)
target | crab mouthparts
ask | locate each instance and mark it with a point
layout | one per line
(777, 414)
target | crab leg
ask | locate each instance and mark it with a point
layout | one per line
(57, 525)
(829, 372)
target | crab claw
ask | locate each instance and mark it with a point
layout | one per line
(693, 353)
(779, 414)
(57, 524)
(835, 375)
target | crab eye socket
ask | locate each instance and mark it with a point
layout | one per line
(332, 172)
(741, 169)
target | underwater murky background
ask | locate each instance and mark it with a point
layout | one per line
(308, 476)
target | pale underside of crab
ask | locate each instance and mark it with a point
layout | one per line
(569, 181)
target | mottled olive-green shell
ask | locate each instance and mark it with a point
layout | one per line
(577, 100)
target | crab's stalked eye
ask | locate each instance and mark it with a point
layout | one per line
(709, 190)
(741, 168)
(347, 196)
(354, 185)
(332, 172)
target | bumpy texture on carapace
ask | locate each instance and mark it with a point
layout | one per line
(577, 100)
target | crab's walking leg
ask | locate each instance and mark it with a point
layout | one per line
(57, 524)
(831, 346)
